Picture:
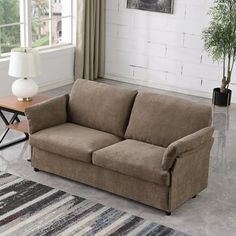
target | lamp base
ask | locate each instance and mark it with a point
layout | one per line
(24, 99)
(24, 89)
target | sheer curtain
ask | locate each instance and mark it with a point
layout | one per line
(90, 39)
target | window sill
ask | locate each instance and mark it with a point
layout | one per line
(43, 51)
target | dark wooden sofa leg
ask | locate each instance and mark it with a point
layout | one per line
(194, 196)
(168, 213)
(36, 169)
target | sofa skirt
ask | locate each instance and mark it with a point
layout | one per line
(126, 186)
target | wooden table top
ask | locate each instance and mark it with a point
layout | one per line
(11, 102)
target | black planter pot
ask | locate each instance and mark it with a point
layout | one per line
(221, 99)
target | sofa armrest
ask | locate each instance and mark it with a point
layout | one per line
(188, 143)
(47, 114)
(189, 174)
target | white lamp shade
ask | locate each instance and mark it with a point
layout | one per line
(24, 62)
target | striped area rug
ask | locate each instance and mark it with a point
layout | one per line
(29, 208)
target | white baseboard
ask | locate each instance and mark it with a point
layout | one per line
(163, 87)
(55, 84)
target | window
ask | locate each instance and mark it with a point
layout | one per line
(35, 23)
(9, 25)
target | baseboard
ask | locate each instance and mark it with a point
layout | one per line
(54, 84)
(163, 87)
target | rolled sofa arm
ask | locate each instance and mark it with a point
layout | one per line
(185, 144)
(47, 114)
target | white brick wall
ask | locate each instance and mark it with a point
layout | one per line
(161, 50)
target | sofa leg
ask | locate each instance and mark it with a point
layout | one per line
(36, 169)
(194, 196)
(168, 213)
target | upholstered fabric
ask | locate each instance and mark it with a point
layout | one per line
(163, 162)
(72, 141)
(134, 158)
(161, 120)
(189, 175)
(188, 143)
(139, 190)
(101, 106)
(47, 114)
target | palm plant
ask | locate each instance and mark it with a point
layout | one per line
(220, 37)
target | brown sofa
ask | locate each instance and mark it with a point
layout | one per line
(147, 147)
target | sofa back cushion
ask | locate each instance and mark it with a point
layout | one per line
(161, 120)
(101, 106)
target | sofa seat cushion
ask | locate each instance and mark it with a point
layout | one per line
(134, 158)
(72, 141)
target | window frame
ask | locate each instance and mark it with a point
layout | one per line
(20, 23)
(25, 24)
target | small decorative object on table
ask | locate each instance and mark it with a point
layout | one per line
(219, 39)
(24, 63)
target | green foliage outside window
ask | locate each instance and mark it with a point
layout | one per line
(10, 13)
(43, 41)
(39, 9)
(9, 35)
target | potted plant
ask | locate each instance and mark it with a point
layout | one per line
(220, 42)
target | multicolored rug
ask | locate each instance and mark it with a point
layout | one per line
(29, 208)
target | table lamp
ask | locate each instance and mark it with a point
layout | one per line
(24, 63)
